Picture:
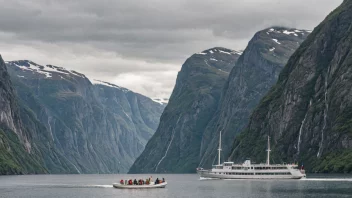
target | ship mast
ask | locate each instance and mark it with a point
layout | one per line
(219, 149)
(268, 156)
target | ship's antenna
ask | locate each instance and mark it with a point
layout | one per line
(219, 149)
(268, 157)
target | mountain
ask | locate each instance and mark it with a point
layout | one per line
(175, 145)
(307, 113)
(19, 152)
(96, 126)
(256, 71)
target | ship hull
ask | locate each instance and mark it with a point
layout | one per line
(121, 186)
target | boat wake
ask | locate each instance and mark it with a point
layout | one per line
(303, 179)
(71, 186)
(204, 178)
(98, 186)
(327, 179)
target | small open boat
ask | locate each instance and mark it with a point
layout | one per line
(122, 186)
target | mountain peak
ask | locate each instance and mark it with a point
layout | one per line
(277, 44)
(287, 31)
(217, 50)
(48, 70)
(107, 84)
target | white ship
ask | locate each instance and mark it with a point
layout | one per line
(247, 170)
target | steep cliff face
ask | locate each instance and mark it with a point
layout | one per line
(18, 152)
(98, 128)
(176, 143)
(9, 116)
(255, 72)
(308, 112)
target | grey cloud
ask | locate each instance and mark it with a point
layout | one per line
(110, 38)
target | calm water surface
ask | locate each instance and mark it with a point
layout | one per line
(83, 186)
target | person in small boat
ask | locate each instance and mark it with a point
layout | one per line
(121, 181)
(163, 180)
(125, 181)
(157, 181)
(135, 182)
(147, 181)
(130, 182)
(150, 179)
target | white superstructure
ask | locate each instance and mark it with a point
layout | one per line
(247, 170)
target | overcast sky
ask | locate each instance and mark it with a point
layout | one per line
(140, 44)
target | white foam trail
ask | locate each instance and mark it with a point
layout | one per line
(100, 186)
(326, 179)
(204, 178)
(73, 185)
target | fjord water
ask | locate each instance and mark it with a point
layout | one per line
(82, 186)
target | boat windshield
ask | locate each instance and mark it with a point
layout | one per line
(217, 167)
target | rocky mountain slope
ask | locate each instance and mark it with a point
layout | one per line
(98, 128)
(308, 112)
(256, 71)
(20, 153)
(176, 143)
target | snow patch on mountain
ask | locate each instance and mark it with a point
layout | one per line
(276, 41)
(294, 32)
(201, 53)
(107, 84)
(47, 70)
(220, 50)
(224, 52)
(162, 101)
